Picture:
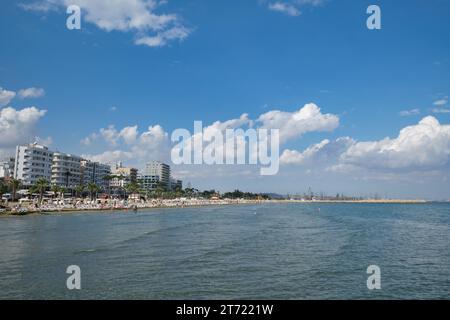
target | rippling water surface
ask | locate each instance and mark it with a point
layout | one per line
(274, 251)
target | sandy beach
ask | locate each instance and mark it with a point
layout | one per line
(108, 205)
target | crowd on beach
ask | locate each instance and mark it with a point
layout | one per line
(115, 204)
(87, 204)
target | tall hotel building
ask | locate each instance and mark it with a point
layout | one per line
(160, 170)
(95, 172)
(155, 173)
(32, 162)
(66, 170)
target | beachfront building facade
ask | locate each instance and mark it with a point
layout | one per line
(7, 168)
(95, 172)
(160, 170)
(35, 161)
(157, 176)
(32, 162)
(148, 183)
(122, 176)
(66, 170)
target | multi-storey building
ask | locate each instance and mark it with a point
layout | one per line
(122, 176)
(66, 170)
(95, 172)
(157, 174)
(159, 169)
(7, 168)
(147, 182)
(32, 162)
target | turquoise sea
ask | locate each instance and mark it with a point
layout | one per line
(270, 251)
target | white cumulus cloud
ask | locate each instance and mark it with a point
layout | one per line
(6, 96)
(292, 7)
(129, 134)
(31, 93)
(423, 146)
(154, 142)
(109, 157)
(162, 38)
(285, 8)
(441, 102)
(18, 126)
(140, 17)
(440, 110)
(411, 112)
(309, 118)
(322, 153)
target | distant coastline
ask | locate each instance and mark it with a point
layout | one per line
(399, 201)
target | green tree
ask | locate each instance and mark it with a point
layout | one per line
(93, 189)
(208, 193)
(178, 192)
(79, 190)
(161, 189)
(132, 188)
(40, 187)
(14, 185)
(191, 192)
(56, 190)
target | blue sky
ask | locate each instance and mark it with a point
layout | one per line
(236, 58)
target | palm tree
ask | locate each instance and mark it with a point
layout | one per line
(56, 190)
(79, 190)
(14, 184)
(40, 186)
(178, 191)
(93, 189)
(161, 188)
(132, 188)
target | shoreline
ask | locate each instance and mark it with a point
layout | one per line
(191, 203)
(164, 204)
(394, 201)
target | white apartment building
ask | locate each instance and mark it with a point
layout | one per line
(155, 173)
(159, 169)
(95, 172)
(7, 168)
(32, 162)
(66, 170)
